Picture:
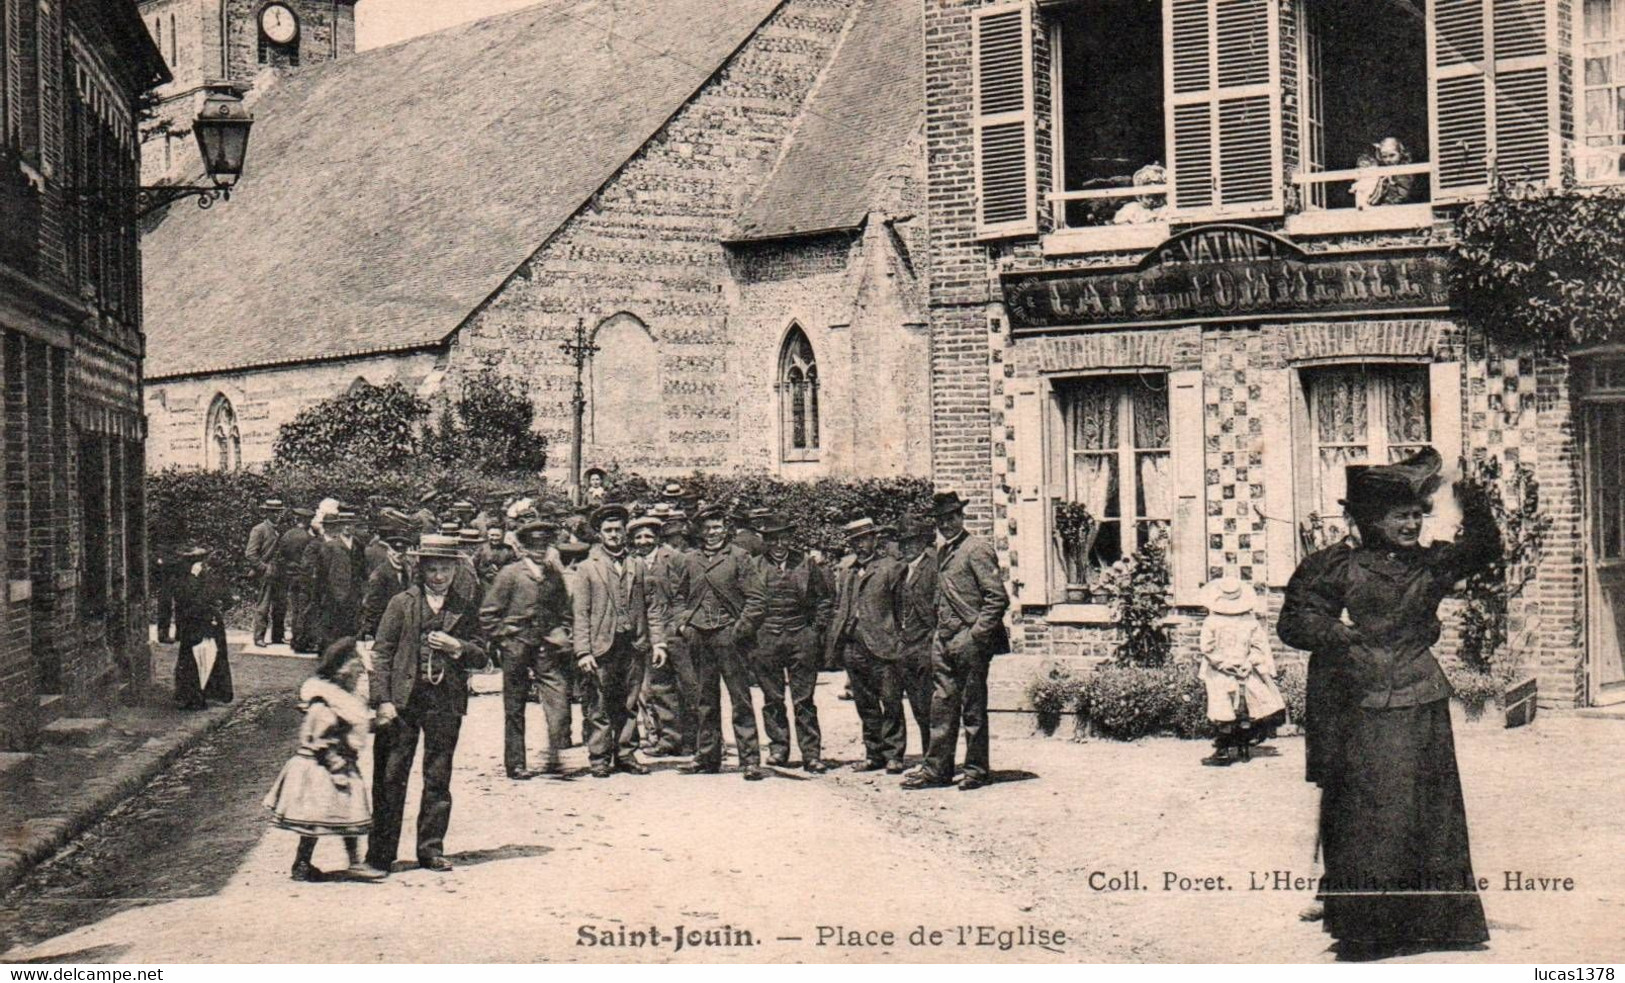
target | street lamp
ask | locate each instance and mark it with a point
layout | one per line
(221, 127)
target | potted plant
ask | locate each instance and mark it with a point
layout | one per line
(1075, 531)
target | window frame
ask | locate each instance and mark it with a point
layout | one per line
(226, 455)
(1581, 132)
(1062, 391)
(796, 339)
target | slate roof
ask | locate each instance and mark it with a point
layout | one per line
(870, 103)
(388, 194)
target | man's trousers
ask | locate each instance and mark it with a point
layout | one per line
(960, 692)
(919, 679)
(877, 692)
(673, 700)
(272, 610)
(789, 661)
(718, 662)
(610, 704)
(521, 665)
(439, 730)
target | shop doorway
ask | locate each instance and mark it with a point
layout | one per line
(1603, 407)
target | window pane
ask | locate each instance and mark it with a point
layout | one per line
(1150, 412)
(1094, 417)
(1599, 110)
(1095, 484)
(1598, 19)
(1333, 477)
(1108, 546)
(1407, 408)
(1148, 531)
(1341, 415)
(1154, 497)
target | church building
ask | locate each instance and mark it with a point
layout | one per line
(727, 196)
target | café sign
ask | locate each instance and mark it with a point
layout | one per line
(1229, 273)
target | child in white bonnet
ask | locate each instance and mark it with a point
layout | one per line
(1243, 702)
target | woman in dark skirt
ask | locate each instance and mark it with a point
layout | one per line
(1393, 827)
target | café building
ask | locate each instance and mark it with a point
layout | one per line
(1191, 261)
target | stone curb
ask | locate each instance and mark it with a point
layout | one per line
(42, 837)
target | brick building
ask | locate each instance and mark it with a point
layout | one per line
(729, 195)
(72, 625)
(1188, 263)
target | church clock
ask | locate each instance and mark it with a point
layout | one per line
(278, 24)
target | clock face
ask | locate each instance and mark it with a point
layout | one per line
(279, 24)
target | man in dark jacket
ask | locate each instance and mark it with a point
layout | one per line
(336, 580)
(270, 609)
(526, 617)
(427, 642)
(718, 616)
(390, 578)
(290, 552)
(199, 600)
(796, 605)
(971, 602)
(673, 690)
(864, 636)
(917, 620)
(493, 554)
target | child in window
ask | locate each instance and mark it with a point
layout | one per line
(320, 791)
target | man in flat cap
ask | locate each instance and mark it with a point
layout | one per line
(719, 614)
(673, 690)
(270, 610)
(917, 619)
(864, 637)
(290, 549)
(971, 602)
(390, 578)
(618, 627)
(797, 606)
(527, 616)
(493, 554)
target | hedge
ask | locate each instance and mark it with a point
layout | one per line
(1125, 702)
(217, 509)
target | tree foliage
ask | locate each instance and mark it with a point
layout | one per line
(487, 428)
(1542, 267)
(367, 427)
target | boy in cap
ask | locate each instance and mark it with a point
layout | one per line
(269, 612)
(971, 602)
(618, 627)
(864, 637)
(526, 615)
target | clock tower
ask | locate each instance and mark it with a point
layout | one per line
(246, 42)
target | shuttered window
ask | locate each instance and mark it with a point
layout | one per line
(1006, 180)
(1223, 98)
(1494, 74)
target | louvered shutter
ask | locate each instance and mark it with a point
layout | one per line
(1187, 556)
(1002, 70)
(1030, 563)
(1222, 90)
(1493, 94)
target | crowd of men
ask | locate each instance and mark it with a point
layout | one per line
(644, 615)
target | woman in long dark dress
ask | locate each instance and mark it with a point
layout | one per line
(1398, 874)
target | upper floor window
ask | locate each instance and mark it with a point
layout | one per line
(1117, 445)
(798, 397)
(1364, 139)
(223, 442)
(1602, 115)
(1363, 414)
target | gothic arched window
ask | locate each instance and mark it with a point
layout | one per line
(222, 441)
(798, 397)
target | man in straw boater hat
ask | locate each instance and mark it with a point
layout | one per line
(796, 606)
(971, 602)
(917, 619)
(526, 616)
(1378, 740)
(863, 636)
(199, 600)
(270, 611)
(718, 614)
(618, 628)
(427, 642)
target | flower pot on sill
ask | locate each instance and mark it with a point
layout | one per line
(1077, 593)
